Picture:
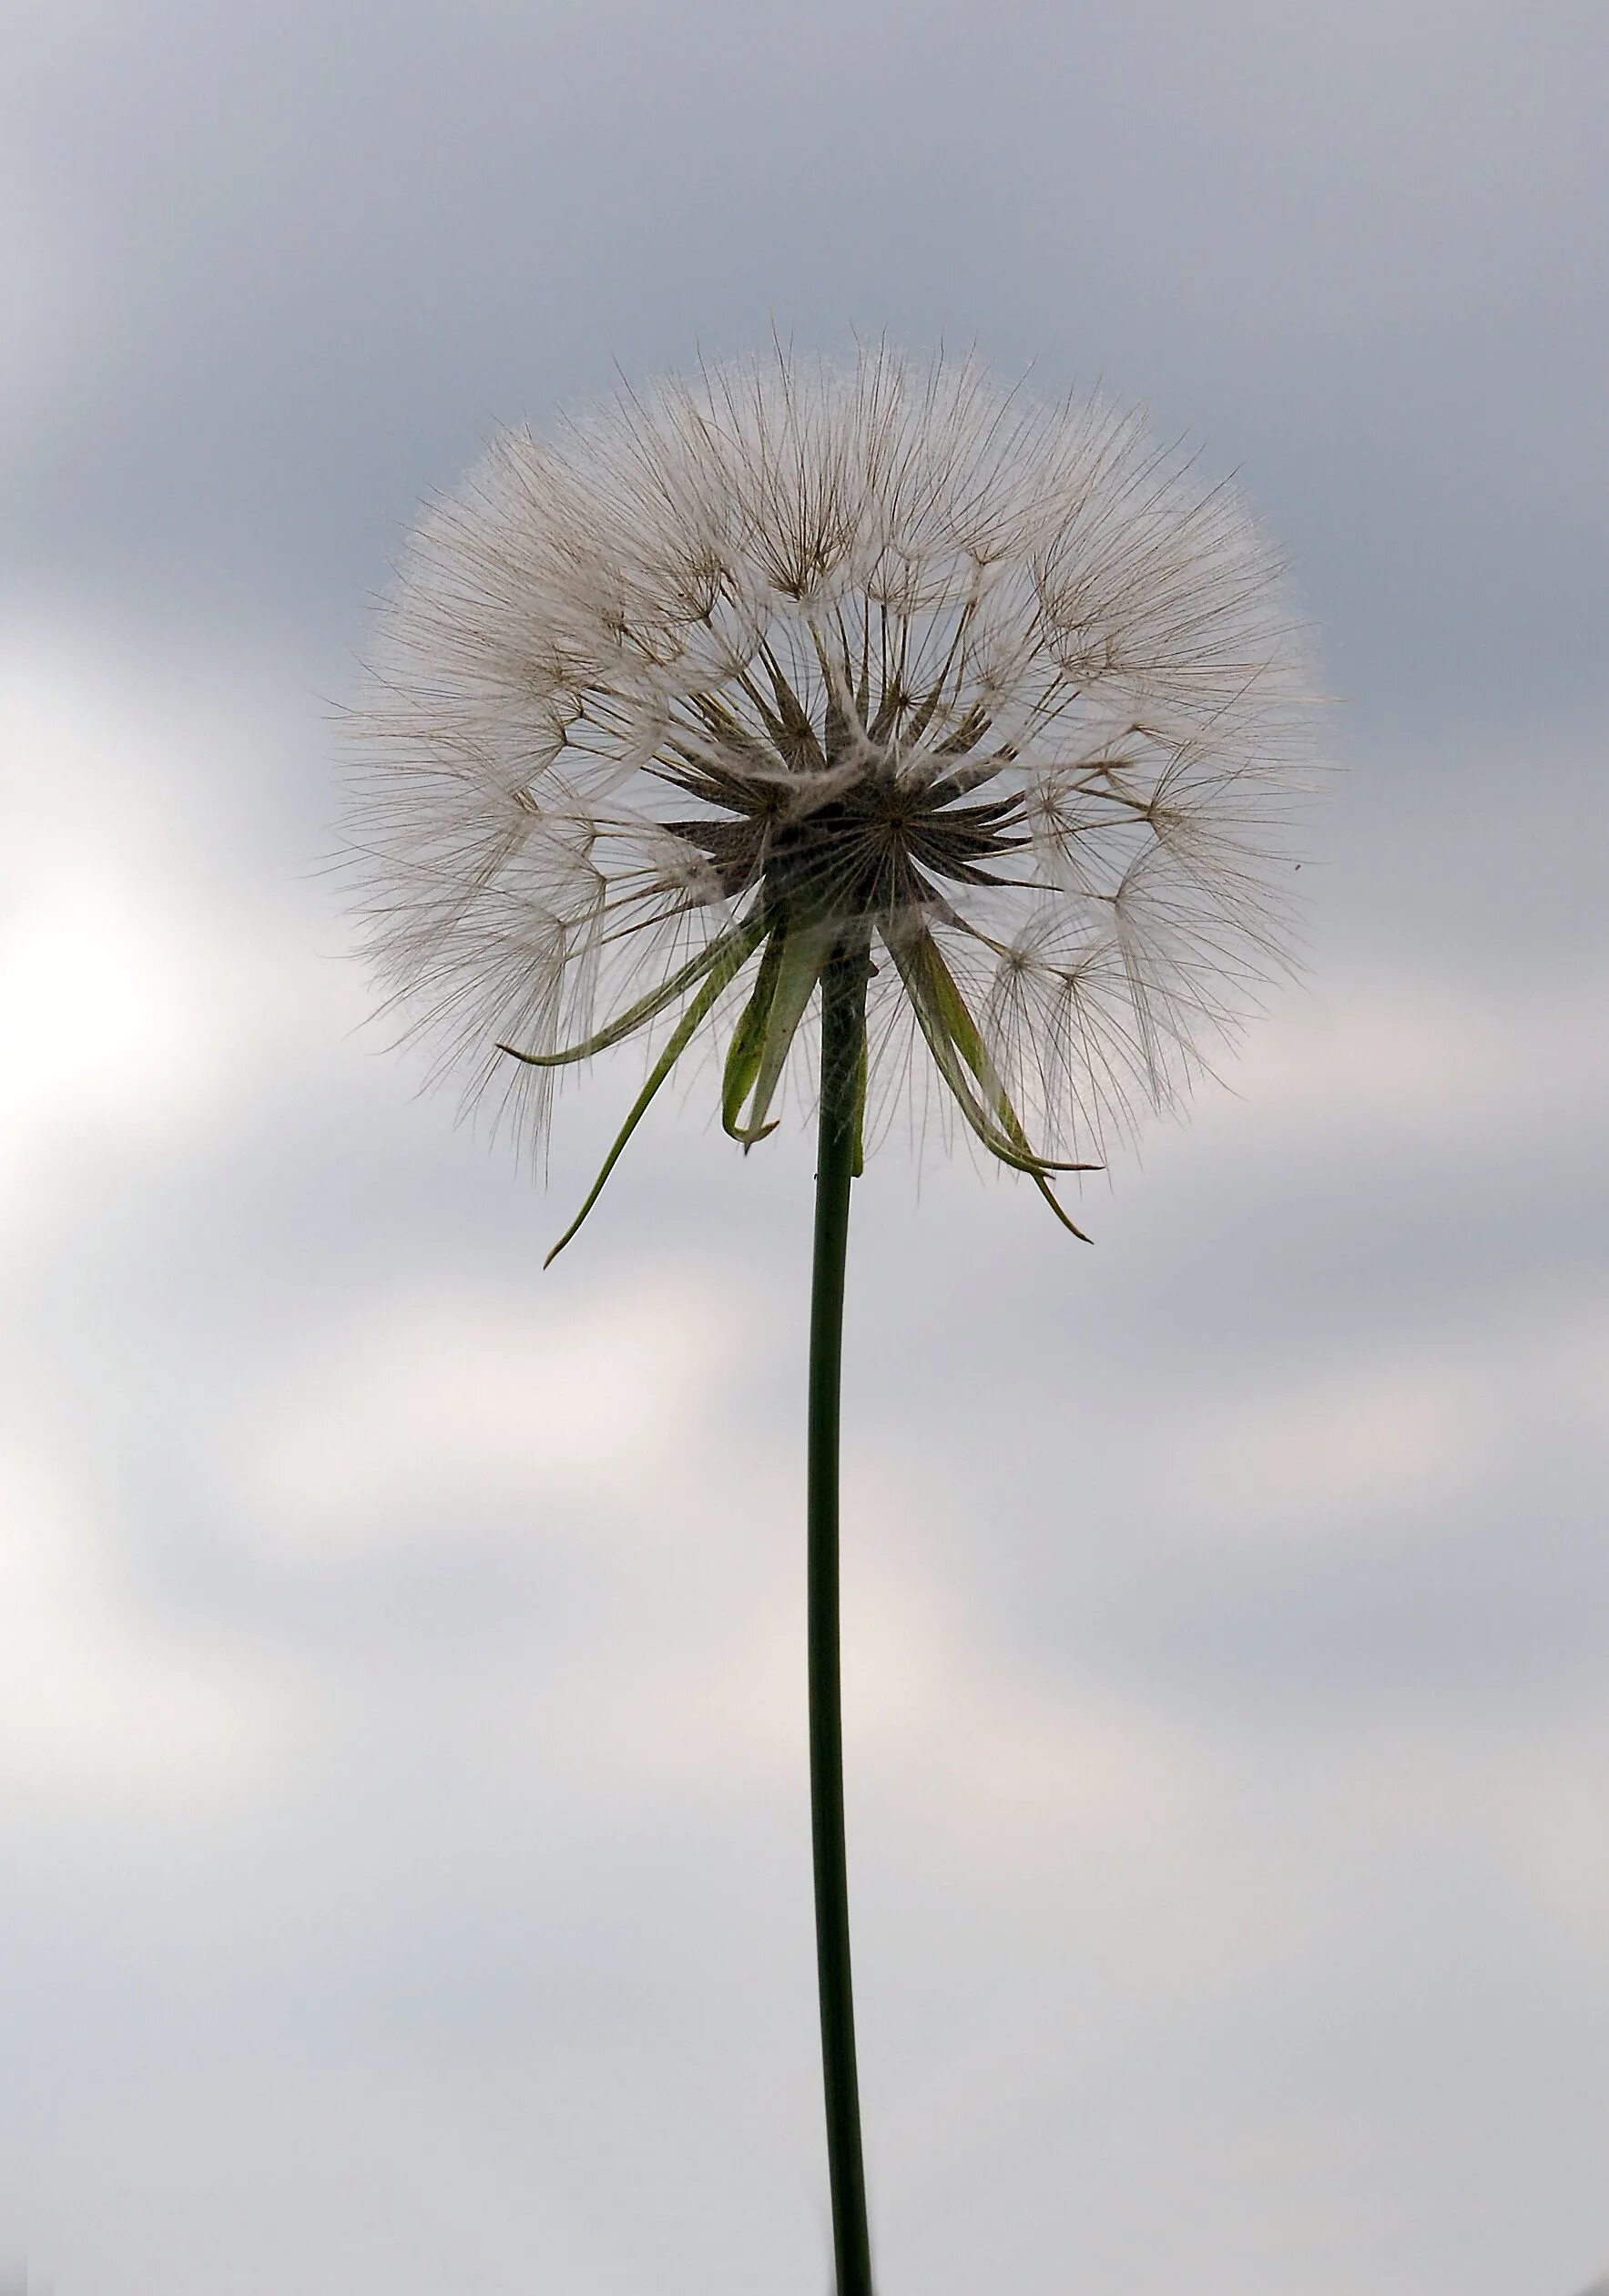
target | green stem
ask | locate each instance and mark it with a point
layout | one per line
(843, 1030)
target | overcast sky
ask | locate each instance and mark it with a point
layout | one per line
(403, 1794)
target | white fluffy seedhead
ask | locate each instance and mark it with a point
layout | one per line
(879, 650)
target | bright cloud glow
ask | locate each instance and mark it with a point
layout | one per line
(427, 1405)
(143, 994)
(1423, 1059)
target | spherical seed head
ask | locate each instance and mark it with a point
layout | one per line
(786, 658)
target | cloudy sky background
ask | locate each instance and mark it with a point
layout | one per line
(401, 1755)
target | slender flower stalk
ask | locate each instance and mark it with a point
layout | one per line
(878, 692)
(843, 1049)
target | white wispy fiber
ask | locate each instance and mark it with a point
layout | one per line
(782, 658)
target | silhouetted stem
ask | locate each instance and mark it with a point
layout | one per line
(843, 1025)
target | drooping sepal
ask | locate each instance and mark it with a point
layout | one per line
(647, 1008)
(733, 952)
(746, 1048)
(790, 972)
(963, 1060)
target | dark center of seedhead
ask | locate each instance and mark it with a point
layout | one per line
(877, 846)
(862, 813)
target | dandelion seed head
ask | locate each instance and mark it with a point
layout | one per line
(783, 653)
